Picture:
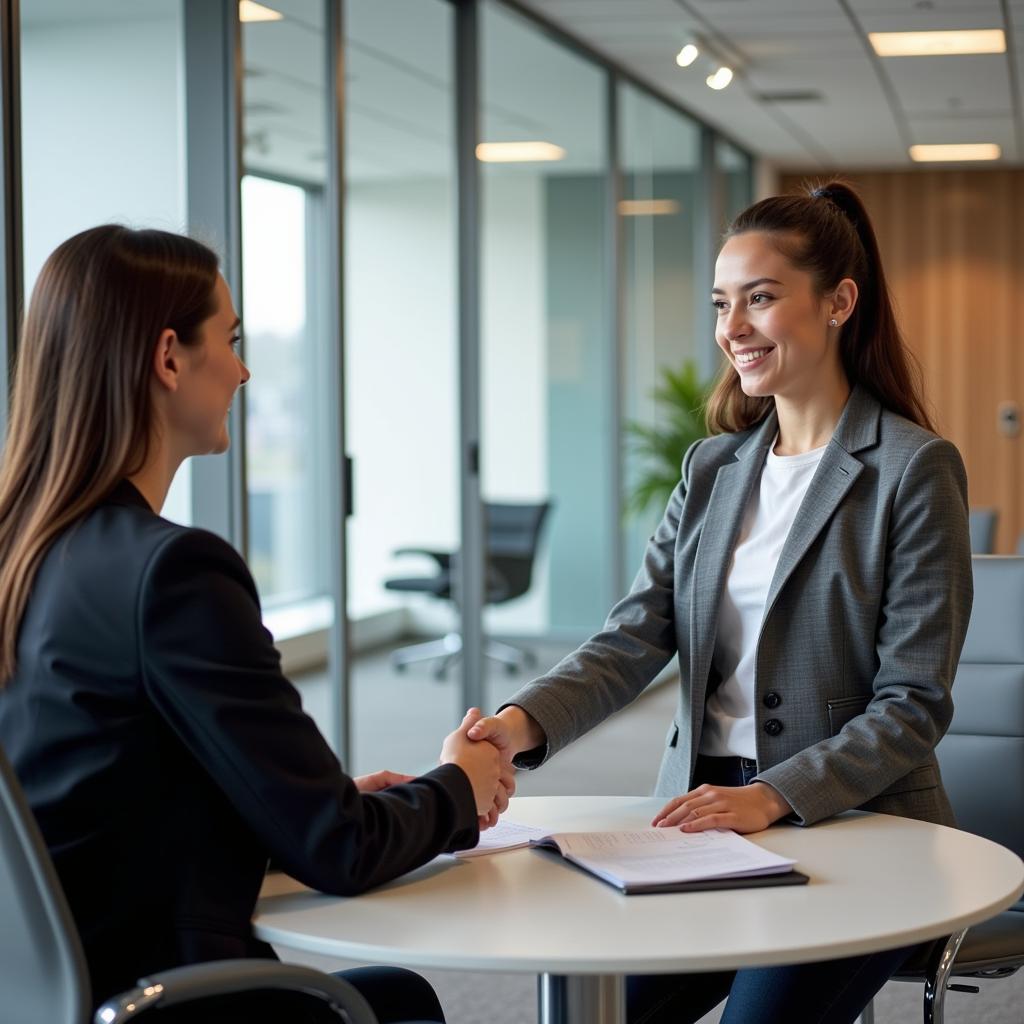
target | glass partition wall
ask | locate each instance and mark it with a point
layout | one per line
(401, 380)
(662, 193)
(547, 349)
(594, 237)
(284, 310)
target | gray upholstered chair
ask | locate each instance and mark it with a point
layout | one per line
(43, 977)
(982, 763)
(983, 523)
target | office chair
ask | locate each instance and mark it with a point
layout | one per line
(512, 536)
(43, 976)
(982, 763)
(983, 530)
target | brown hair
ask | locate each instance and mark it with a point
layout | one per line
(827, 232)
(81, 411)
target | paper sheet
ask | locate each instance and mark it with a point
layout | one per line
(506, 835)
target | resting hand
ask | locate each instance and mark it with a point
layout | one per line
(377, 781)
(480, 761)
(740, 808)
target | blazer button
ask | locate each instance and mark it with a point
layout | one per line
(772, 700)
(773, 727)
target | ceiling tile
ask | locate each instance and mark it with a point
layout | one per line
(975, 129)
(939, 9)
(929, 83)
(740, 9)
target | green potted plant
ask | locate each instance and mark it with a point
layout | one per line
(680, 400)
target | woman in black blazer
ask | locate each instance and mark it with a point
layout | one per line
(142, 704)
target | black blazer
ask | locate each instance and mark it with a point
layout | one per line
(166, 757)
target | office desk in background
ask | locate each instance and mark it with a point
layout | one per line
(876, 882)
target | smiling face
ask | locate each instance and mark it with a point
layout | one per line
(772, 324)
(211, 373)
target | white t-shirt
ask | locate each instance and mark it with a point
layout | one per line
(729, 712)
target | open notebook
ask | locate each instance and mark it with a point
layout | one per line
(653, 859)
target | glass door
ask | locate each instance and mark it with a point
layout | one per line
(401, 380)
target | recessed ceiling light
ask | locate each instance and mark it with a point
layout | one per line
(687, 55)
(950, 153)
(937, 44)
(518, 152)
(648, 207)
(249, 10)
(720, 79)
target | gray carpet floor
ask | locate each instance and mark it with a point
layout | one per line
(399, 723)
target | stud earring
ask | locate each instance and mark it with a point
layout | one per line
(833, 322)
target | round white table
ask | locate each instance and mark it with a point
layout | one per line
(877, 882)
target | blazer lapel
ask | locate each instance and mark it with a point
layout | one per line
(857, 429)
(722, 519)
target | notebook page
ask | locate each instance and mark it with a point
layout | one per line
(662, 855)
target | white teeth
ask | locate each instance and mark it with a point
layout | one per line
(749, 357)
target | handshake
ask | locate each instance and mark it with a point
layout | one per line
(483, 748)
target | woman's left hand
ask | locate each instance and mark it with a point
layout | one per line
(740, 808)
(377, 781)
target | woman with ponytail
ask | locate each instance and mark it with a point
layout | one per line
(142, 704)
(812, 573)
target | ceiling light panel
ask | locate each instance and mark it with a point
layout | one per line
(955, 152)
(249, 10)
(648, 207)
(938, 44)
(518, 152)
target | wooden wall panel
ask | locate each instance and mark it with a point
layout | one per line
(952, 245)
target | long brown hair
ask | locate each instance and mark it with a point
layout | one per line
(81, 411)
(827, 232)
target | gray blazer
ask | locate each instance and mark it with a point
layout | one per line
(863, 627)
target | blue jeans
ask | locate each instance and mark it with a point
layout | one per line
(829, 992)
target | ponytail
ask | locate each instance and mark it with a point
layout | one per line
(827, 233)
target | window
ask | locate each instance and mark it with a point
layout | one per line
(283, 292)
(284, 400)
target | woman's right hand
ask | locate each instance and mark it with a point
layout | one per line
(482, 762)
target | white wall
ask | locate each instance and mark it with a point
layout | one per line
(514, 361)
(401, 364)
(102, 135)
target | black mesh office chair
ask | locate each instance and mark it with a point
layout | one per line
(43, 978)
(512, 536)
(982, 763)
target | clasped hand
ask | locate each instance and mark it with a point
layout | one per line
(740, 808)
(489, 770)
(487, 767)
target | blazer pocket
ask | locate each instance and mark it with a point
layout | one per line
(922, 777)
(843, 709)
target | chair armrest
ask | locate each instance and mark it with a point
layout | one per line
(232, 977)
(443, 558)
